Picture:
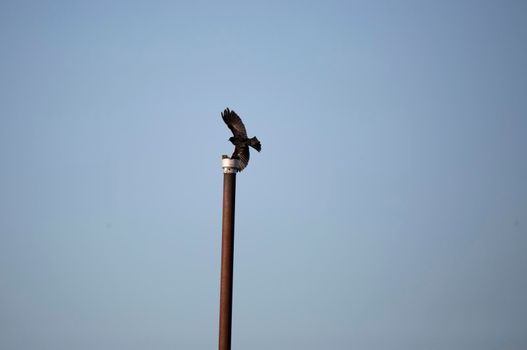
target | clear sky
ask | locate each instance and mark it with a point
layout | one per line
(387, 210)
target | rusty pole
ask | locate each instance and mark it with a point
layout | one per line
(230, 168)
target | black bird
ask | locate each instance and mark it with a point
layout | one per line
(240, 139)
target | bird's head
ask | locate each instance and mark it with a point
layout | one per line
(231, 139)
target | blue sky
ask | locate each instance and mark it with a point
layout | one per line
(387, 210)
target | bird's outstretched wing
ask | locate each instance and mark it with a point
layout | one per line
(234, 123)
(242, 153)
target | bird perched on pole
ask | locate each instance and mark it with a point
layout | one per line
(240, 140)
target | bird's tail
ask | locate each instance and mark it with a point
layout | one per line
(254, 143)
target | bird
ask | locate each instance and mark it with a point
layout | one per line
(240, 140)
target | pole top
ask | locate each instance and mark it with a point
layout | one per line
(230, 166)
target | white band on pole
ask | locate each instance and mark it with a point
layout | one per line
(230, 166)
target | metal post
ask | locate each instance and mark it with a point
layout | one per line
(230, 168)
